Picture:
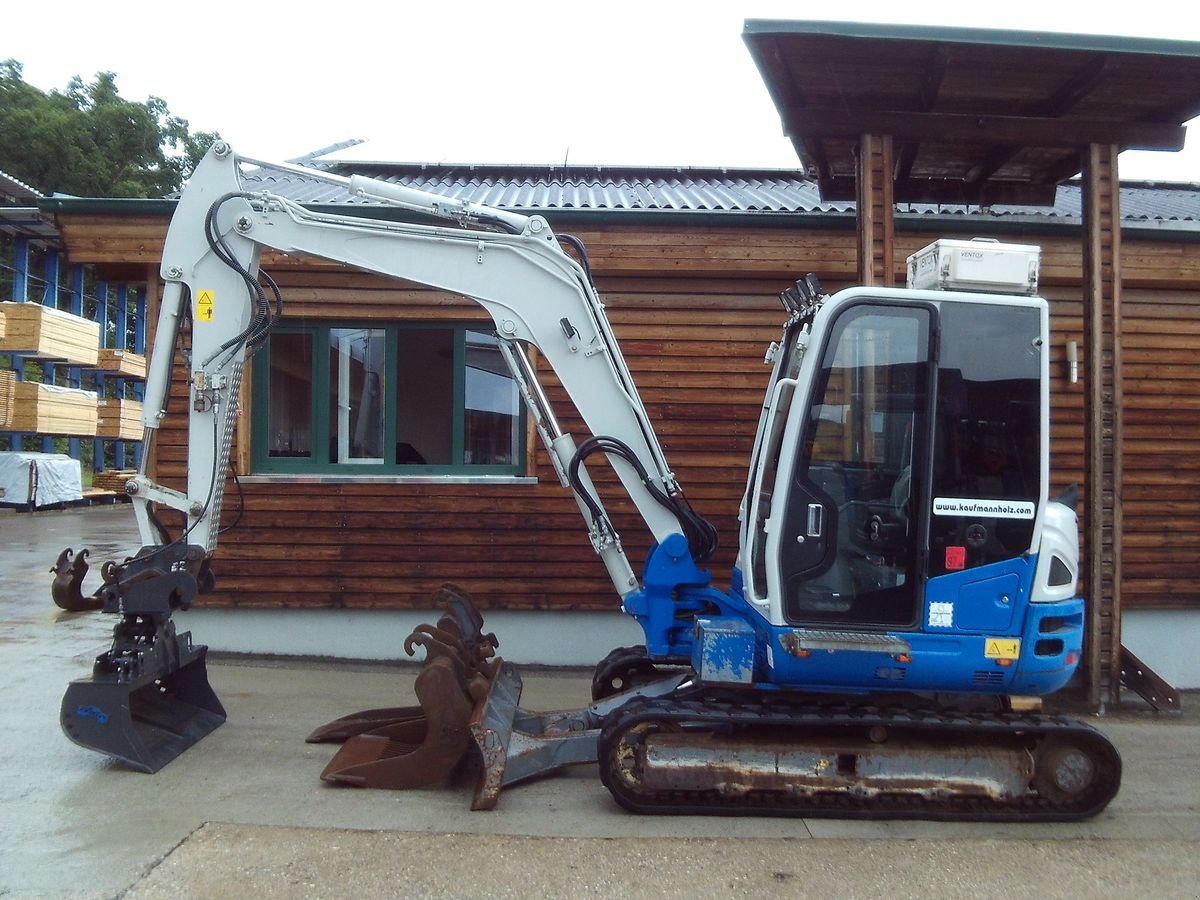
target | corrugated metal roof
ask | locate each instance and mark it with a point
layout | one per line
(759, 192)
(551, 188)
(14, 192)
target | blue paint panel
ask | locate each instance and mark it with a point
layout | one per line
(988, 599)
(988, 604)
(1051, 647)
(738, 639)
(723, 650)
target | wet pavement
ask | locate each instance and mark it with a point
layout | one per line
(244, 814)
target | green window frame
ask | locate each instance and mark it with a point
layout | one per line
(361, 398)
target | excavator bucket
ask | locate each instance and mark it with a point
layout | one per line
(145, 721)
(148, 699)
(411, 746)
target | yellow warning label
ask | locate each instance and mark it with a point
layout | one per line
(1001, 648)
(204, 306)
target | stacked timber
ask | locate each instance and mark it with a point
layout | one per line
(112, 479)
(50, 334)
(122, 363)
(119, 419)
(2, 327)
(49, 409)
(8, 382)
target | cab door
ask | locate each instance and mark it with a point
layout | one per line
(850, 552)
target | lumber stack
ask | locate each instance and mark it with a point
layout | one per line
(1, 324)
(50, 334)
(49, 409)
(119, 419)
(8, 381)
(112, 479)
(122, 363)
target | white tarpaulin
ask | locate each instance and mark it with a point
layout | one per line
(40, 479)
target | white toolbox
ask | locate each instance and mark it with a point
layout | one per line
(980, 264)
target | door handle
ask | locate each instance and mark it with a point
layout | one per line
(816, 519)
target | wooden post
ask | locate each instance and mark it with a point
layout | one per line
(1102, 420)
(876, 211)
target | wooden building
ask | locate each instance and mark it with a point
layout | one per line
(689, 264)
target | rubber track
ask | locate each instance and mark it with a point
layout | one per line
(959, 729)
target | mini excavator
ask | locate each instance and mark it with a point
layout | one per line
(902, 570)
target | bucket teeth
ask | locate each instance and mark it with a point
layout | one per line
(68, 580)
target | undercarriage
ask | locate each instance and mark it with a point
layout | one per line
(668, 744)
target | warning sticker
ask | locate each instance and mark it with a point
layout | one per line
(992, 509)
(1002, 648)
(941, 615)
(204, 306)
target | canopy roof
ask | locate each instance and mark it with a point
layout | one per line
(977, 116)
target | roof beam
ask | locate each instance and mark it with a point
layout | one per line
(1062, 101)
(931, 86)
(955, 192)
(1082, 83)
(961, 128)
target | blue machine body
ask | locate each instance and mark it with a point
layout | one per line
(897, 533)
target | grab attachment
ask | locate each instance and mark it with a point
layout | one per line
(469, 701)
(412, 746)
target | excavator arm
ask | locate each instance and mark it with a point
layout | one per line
(514, 266)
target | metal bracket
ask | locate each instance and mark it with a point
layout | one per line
(1148, 684)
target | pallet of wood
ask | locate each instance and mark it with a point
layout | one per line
(8, 383)
(49, 409)
(122, 363)
(50, 334)
(112, 480)
(119, 419)
(2, 326)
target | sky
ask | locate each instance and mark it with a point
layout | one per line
(603, 83)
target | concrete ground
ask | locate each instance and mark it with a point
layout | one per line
(244, 814)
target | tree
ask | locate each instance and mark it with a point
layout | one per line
(91, 142)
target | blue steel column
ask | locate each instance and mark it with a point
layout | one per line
(102, 319)
(20, 295)
(74, 375)
(122, 314)
(139, 346)
(50, 299)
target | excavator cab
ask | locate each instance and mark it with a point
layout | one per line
(900, 480)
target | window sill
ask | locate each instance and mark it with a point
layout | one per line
(301, 478)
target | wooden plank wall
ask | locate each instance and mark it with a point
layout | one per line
(694, 310)
(518, 546)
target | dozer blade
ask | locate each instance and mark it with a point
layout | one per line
(147, 721)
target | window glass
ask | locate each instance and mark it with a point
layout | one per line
(289, 396)
(391, 397)
(357, 381)
(492, 406)
(852, 497)
(987, 469)
(425, 399)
